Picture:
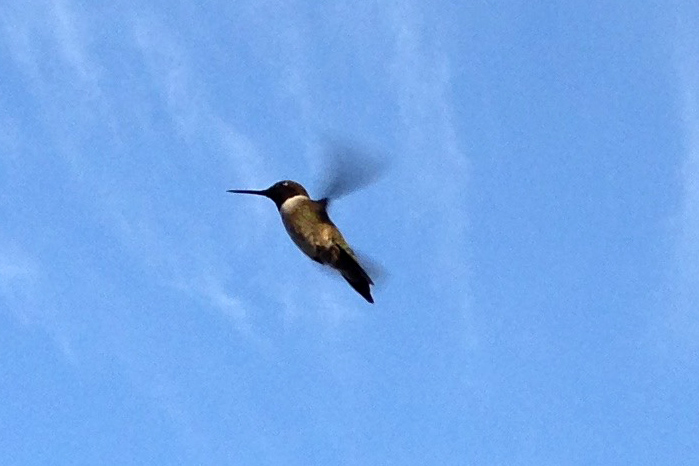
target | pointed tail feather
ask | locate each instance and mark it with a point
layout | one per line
(355, 275)
(361, 287)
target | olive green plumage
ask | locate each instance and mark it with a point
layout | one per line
(311, 229)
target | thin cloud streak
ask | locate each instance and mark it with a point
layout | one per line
(421, 71)
(19, 36)
(174, 245)
(72, 39)
(25, 295)
(685, 317)
(146, 227)
(133, 216)
(18, 280)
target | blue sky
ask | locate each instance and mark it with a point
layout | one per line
(539, 225)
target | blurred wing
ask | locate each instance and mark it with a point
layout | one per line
(376, 271)
(348, 169)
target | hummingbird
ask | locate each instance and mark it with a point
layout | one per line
(309, 226)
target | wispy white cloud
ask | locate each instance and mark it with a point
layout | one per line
(18, 280)
(139, 221)
(18, 32)
(175, 246)
(172, 76)
(24, 294)
(10, 139)
(435, 163)
(213, 291)
(72, 35)
(155, 231)
(188, 259)
(50, 43)
(685, 312)
(39, 35)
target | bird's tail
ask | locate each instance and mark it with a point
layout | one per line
(355, 275)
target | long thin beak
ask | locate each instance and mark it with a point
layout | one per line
(248, 191)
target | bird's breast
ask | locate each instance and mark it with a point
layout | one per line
(306, 229)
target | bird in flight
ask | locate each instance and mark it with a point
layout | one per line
(307, 220)
(311, 229)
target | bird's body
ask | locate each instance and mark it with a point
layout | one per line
(311, 229)
(308, 227)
